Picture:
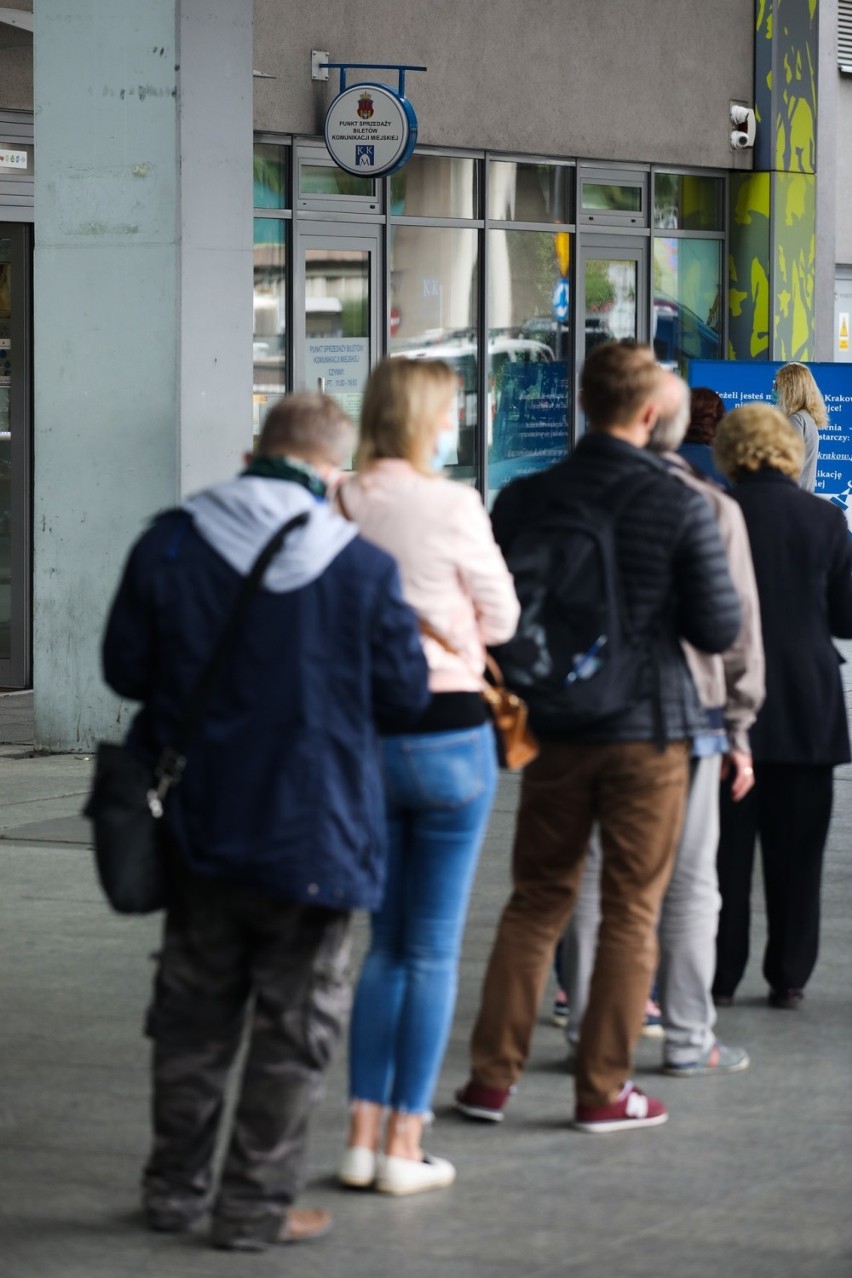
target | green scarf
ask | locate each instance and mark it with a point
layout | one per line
(291, 469)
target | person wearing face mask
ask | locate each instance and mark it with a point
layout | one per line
(440, 775)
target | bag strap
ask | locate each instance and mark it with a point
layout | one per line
(497, 680)
(172, 760)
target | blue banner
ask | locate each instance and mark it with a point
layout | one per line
(530, 425)
(739, 383)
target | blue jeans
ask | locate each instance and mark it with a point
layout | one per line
(439, 788)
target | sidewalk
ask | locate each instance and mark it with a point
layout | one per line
(751, 1177)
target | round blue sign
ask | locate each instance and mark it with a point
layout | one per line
(370, 130)
(560, 301)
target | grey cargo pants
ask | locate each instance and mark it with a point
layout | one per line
(230, 954)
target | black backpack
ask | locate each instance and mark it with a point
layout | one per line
(574, 657)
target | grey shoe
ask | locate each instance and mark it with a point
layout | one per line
(718, 1059)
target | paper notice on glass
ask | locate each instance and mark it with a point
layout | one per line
(340, 366)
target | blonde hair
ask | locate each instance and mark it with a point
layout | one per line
(755, 437)
(402, 402)
(797, 390)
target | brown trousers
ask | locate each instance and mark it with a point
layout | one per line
(636, 793)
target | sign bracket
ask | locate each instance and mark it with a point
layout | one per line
(343, 67)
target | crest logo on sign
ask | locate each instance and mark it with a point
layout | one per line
(365, 106)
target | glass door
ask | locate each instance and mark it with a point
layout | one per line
(336, 310)
(612, 289)
(15, 451)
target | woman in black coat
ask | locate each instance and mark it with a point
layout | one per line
(802, 556)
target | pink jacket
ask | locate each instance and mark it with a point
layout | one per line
(453, 574)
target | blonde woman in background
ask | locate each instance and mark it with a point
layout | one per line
(798, 397)
(440, 776)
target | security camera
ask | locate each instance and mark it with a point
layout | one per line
(744, 126)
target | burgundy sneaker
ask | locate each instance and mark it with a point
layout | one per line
(486, 1103)
(632, 1109)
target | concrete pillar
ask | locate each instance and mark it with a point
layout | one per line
(142, 306)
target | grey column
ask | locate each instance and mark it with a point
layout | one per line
(142, 306)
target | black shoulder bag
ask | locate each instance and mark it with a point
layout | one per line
(126, 801)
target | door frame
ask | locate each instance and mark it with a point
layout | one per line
(318, 233)
(635, 247)
(16, 670)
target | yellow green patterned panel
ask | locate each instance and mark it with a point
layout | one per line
(793, 252)
(748, 266)
(786, 42)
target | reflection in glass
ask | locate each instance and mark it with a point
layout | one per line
(270, 176)
(436, 186)
(270, 295)
(528, 192)
(5, 453)
(610, 300)
(328, 179)
(337, 323)
(434, 283)
(528, 353)
(613, 198)
(687, 291)
(687, 202)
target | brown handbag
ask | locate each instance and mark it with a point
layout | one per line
(516, 745)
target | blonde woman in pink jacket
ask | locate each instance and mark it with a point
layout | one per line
(440, 777)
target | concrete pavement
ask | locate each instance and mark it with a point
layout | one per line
(751, 1177)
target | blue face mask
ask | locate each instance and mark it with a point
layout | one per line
(444, 445)
(775, 398)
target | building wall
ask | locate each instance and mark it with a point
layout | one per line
(597, 78)
(843, 202)
(16, 62)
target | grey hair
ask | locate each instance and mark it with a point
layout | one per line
(670, 428)
(307, 425)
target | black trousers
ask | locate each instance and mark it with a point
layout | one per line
(230, 955)
(790, 809)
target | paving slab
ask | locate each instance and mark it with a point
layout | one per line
(751, 1177)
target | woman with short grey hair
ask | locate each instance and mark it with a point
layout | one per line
(802, 556)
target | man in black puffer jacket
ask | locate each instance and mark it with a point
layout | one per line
(627, 773)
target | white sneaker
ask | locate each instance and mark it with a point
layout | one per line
(357, 1167)
(407, 1176)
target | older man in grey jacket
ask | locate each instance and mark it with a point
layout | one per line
(731, 689)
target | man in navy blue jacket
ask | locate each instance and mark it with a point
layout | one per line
(277, 825)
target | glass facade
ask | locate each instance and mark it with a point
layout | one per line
(688, 202)
(509, 268)
(519, 192)
(434, 287)
(529, 354)
(687, 300)
(436, 186)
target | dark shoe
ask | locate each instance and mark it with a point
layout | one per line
(172, 1216)
(786, 1000)
(302, 1225)
(631, 1110)
(723, 1000)
(485, 1103)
